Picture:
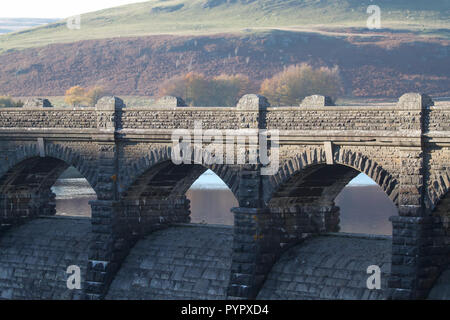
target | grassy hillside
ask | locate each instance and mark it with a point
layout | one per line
(382, 67)
(215, 16)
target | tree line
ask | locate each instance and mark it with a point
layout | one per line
(286, 88)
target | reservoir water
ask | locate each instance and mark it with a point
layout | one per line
(365, 208)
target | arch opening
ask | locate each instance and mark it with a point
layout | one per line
(335, 198)
(211, 200)
(333, 219)
(28, 202)
(176, 255)
(27, 189)
(181, 194)
(365, 208)
(73, 194)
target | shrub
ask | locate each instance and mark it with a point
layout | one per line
(193, 88)
(79, 96)
(228, 89)
(8, 102)
(197, 90)
(94, 94)
(76, 96)
(292, 85)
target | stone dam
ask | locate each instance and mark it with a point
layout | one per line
(284, 244)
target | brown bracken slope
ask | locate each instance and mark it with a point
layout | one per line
(371, 66)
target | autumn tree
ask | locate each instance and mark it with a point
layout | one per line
(175, 86)
(94, 94)
(79, 96)
(228, 89)
(76, 96)
(199, 90)
(292, 85)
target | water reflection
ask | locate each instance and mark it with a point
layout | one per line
(73, 196)
(77, 207)
(212, 206)
(72, 188)
(364, 208)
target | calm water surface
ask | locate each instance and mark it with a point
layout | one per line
(364, 208)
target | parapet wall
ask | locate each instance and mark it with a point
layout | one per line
(439, 118)
(66, 118)
(340, 118)
(406, 117)
(182, 117)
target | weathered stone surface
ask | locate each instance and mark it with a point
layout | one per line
(109, 103)
(169, 101)
(183, 263)
(34, 258)
(37, 103)
(329, 268)
(125, 154)
(317, 101)
(253, 102)
(441, 288)
(415, 101)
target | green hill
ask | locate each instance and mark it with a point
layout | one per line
(217, 16)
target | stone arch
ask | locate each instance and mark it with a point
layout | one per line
(315, 157)
(437, 190)
(27, 177)
(56, 151)
(438, 205)
(163, 154)
(300, 200)
(152, 197)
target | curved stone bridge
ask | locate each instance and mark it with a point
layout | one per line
(126, 155)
